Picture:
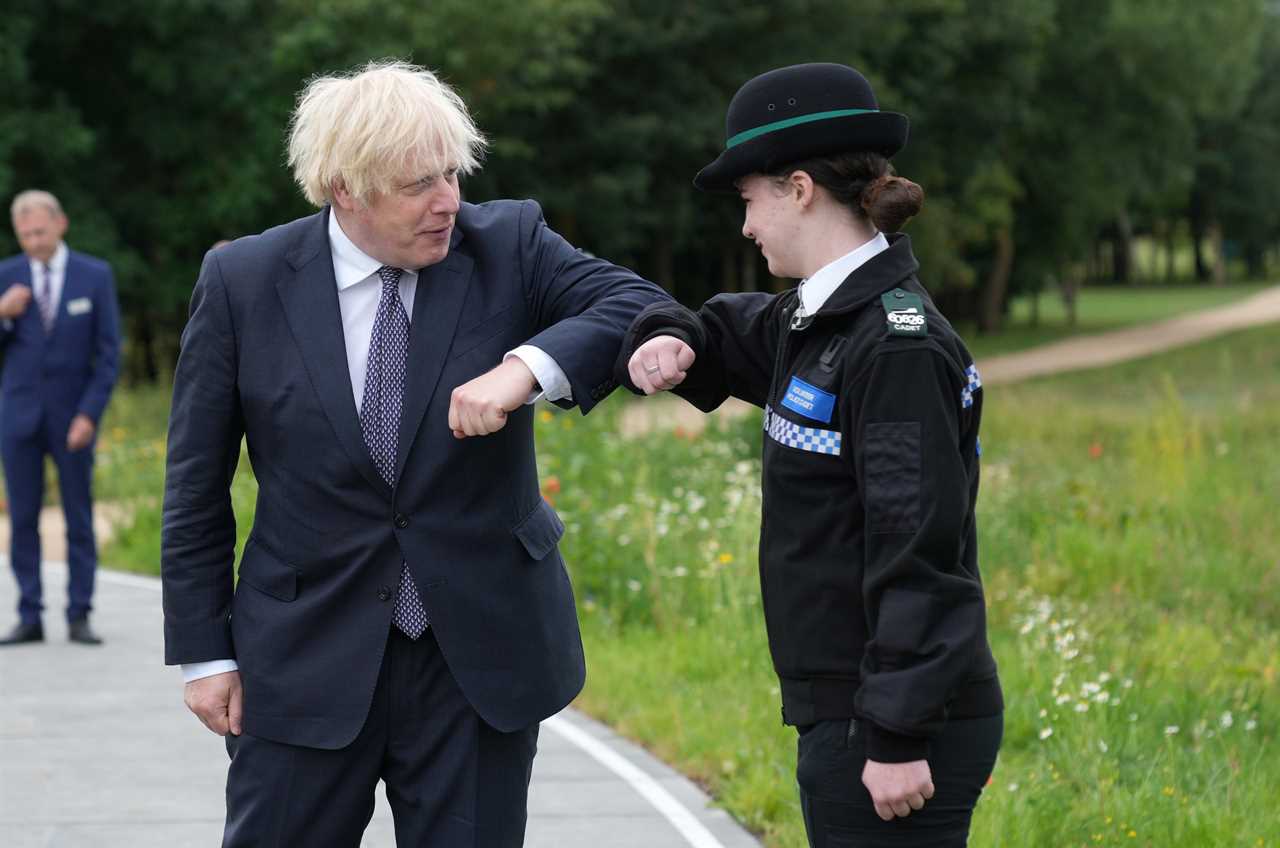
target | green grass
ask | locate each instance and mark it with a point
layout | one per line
(1130, 557)
(1129, 549)
(1100, 309)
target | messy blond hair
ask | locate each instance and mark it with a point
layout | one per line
(378, 124)
(35, 199)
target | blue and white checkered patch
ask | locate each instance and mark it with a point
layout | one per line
(793, 435)
(975, 383)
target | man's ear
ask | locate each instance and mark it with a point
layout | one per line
(801, 187)
(342, 198)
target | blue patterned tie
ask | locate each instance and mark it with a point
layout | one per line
(44, 296)
(380, 419)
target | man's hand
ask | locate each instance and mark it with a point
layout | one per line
(14, 301)
(80, 433)
(660, 364)
(898, 788)
(480, 407)
(217, 701)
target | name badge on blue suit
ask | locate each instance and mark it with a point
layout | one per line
(809, 401)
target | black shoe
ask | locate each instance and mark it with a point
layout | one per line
(80, 631)
(23, 633)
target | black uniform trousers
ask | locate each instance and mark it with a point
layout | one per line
(452, 781)
(837, 808)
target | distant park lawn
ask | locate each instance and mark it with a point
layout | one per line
(1129, 551)
(1099, 309)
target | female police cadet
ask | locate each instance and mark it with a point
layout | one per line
(868, 552)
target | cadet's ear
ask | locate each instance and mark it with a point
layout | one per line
(800, 186)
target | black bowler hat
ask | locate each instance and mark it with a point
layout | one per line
(796, 113)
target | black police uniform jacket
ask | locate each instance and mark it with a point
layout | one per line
(868, 547)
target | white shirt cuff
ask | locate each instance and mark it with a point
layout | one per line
(552, 379)
(196, 671)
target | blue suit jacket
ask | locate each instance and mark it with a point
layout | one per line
(263, 355)
(72, 369)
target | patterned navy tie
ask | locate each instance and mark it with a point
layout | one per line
(44, 295)
(380, 419)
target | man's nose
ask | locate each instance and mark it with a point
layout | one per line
(447, 200)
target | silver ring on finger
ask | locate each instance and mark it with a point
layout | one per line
(652, 370)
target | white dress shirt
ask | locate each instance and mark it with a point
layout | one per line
(815, 290)
(359, 289)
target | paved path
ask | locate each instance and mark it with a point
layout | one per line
(1073, 354)
(97, 749)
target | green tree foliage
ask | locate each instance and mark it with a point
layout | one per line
(1040, 129)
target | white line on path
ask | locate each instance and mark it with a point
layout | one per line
(663, 801)
(137, 581)
(645, 786)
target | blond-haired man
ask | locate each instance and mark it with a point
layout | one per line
(60, 339)
(402, 612)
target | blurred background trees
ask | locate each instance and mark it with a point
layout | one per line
(1053, 138)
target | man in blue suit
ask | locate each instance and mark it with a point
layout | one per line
(59, 336)
(402, 612)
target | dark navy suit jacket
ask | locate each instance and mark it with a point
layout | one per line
(263, 355)
(52, 377)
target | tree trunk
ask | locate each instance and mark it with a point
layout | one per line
(144, 365)
(992, 299)
(1254, 260)
(1219, 254)
(1122, 249)
(1170, 269)
(1196, 217)
(1069, 286)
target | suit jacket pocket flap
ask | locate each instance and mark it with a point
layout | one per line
(540, 530)
(261, 570)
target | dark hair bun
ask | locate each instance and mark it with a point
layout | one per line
(890, 200)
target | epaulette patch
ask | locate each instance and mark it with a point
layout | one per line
(905, 312)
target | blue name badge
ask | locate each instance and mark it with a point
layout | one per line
(809, 401)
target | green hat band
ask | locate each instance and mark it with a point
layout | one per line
(747, 135)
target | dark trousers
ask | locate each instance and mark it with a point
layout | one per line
(24, 479)
(451, 780)
(837, 808)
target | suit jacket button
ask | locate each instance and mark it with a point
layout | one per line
(384, 594)
(401, 521)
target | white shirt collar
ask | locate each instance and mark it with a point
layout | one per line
(815, 290)
(351, 265)
(57, 262)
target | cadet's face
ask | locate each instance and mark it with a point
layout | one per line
(772, 221)
(39, 230)
(410, 226)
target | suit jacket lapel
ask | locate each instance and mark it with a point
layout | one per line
(437, 305)
(70, 291)
(309, 293)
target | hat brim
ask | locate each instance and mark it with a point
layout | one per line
(878, 132)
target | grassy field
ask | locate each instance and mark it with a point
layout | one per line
(1100, 309)
(1130, 555)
